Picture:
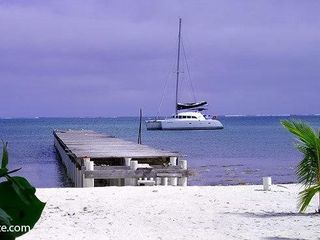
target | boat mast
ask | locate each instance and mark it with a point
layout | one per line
(178, 65)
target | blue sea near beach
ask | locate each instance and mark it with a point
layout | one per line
(247, 149)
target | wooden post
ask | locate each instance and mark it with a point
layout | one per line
(81, 175)
(88, 182)
(67, 168)
(74, 174)
(78, 177)
(173, 180)
(127, 162)
(158, 181)
(133, 166)
(71, 171)
(164, 181)
(183, 181)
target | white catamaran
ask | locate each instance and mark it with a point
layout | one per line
(188, 116)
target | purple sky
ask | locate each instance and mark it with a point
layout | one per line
(109, 58)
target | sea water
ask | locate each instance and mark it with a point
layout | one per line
(247, 149)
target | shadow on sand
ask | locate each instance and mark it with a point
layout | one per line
(283, 238)
(266, 214)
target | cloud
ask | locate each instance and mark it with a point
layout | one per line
(107, 58)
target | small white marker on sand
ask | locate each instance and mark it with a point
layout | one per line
(267, 182)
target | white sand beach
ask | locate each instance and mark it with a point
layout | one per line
(219, 212)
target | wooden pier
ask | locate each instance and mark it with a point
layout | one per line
(93, 159)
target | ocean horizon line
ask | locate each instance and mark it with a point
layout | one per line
(144, 117)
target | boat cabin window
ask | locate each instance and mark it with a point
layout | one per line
(180, 117)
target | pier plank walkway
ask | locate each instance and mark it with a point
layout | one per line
(87, 143)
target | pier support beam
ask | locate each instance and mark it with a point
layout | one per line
(78, 182)
(133, 166)
(164, 181)
(173, 180)
(127, 162)
(74, 173)
(183, 181)
(89, 165)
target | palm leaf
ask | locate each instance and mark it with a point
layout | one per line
(308, 169)
(306, 197)
(4, 161)
(302, 131)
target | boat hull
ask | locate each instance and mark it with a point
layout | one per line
(169, 124)
(153, 125)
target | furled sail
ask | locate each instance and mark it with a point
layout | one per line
(183, 106)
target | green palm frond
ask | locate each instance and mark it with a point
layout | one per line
(308, 169)
(306, 197)
(302, 130)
